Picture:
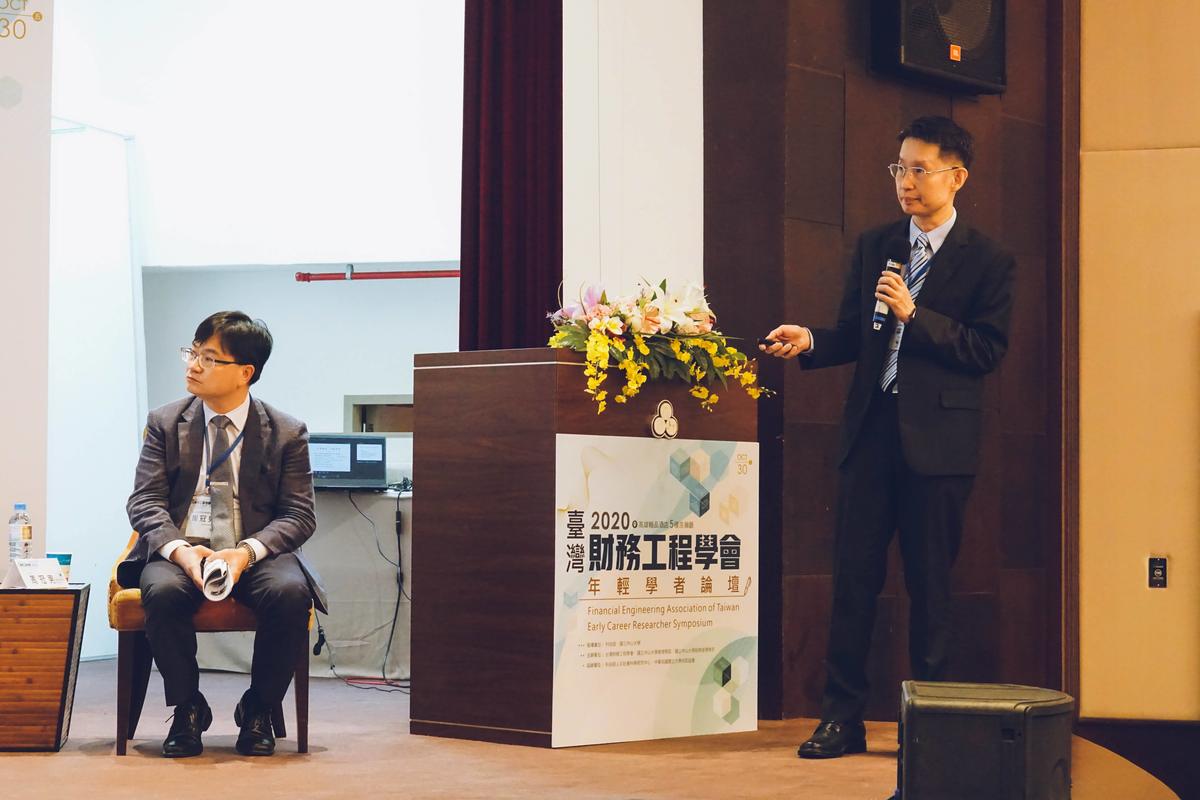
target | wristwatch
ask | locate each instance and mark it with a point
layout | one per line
(249, 551)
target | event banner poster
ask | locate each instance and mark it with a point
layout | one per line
(656, 588)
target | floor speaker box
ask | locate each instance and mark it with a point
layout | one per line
(984, 741)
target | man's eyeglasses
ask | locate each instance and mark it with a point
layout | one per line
(188, 355)
(899, 170)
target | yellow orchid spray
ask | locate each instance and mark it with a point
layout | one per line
(657, 334)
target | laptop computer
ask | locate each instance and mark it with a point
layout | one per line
(348, 460)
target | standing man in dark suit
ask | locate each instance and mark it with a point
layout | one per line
(224, 476)
(911, 429)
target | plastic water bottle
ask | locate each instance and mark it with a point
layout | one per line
(20, 533)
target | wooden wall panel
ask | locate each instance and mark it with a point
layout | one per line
(810, 249)
(1028, 489)
(886, 663)
(1022, 596)
(980, 201)
(813, 181)
(807, 599)
(1006, 582)
(1025, 411)
(809, 496)
(977, 641)
(821, 40)
(1024, 188)
(1027, 60)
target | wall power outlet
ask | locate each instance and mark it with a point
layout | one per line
(1158, 572)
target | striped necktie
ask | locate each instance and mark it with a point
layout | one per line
(914, 276)
(224, 531)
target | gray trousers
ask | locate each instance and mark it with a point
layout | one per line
(275, 588)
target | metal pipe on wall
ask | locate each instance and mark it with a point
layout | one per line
(351, 275)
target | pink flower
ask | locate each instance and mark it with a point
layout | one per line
(598, 311)
(572, 312)
(591, 296)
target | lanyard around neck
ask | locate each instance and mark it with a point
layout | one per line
(214, 464)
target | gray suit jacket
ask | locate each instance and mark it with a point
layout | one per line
(274, 480)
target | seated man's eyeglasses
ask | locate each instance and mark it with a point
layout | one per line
(899, 170)
(188, 355)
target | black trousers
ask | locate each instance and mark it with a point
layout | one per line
(277, 591)
(878, 495)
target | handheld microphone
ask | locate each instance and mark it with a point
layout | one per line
(897, 252)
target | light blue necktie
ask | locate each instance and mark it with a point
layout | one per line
(914, 276)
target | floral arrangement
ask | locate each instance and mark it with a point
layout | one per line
(656, 334)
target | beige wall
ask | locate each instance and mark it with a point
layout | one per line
(1140, 358)
(24, 262)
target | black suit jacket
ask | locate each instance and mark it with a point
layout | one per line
(274, 479)
(959, 335)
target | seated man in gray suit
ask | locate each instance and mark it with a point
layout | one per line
(223, 475)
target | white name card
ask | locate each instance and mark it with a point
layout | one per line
(34, 573)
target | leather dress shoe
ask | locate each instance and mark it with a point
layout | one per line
(835, 739)
(191, 719)
(257, 735)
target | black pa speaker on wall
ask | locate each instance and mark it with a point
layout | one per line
(983, 741)
(950, 44)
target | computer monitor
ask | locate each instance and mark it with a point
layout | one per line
(348, 460)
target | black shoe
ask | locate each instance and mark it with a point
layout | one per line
(835, 739)
(257, 735)
(191, 719)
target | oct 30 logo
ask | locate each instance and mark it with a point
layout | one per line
(664, 424)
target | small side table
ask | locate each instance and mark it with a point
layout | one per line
(41, 631)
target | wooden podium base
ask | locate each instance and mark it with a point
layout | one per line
(484, 445)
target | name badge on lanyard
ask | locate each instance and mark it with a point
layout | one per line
(199, 527)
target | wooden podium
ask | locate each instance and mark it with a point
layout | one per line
(483, 526)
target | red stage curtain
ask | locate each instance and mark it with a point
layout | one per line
(512, 173)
